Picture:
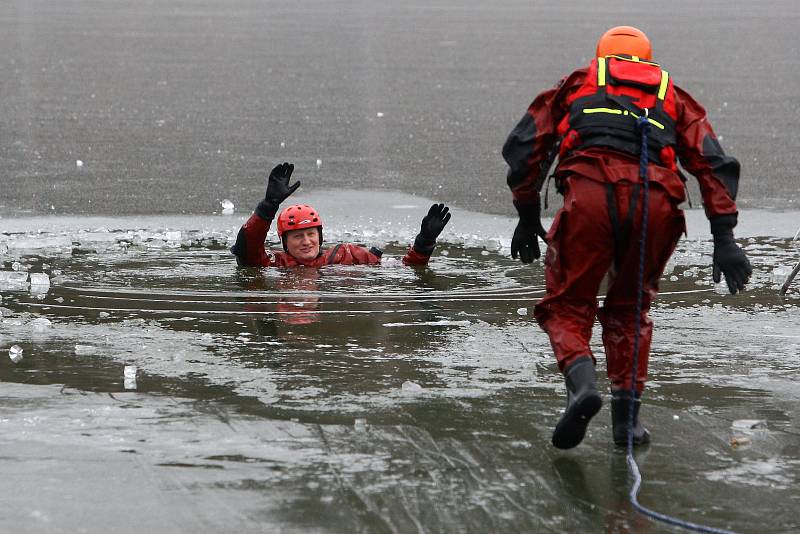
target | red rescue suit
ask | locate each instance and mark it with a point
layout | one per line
(592, 112)
(250, 251)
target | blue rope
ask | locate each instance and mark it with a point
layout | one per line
(643, 124)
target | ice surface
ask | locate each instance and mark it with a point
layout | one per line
(41, 324)
(85, 350)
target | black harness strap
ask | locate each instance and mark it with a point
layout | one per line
(332, 256)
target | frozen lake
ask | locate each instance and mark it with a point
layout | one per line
(175, 105)
(371, 398)
(362, 399)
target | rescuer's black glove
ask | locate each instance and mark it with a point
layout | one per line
(729, 258)
(278, 190)
(432, 225)
(525, 242)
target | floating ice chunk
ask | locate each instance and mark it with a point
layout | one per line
(130, 377)
(13, 280)
(40, 284)
(173, 236)
(780, 274)
(41, 324)
(3, 248)
(675, 417)
(13, 277)
(749, 424)
(720, 289)
(360, 424)
(227, 207)
(410, 387)
(522, 311)
(78, 163)
(104, 315)
(17, 266)
(15, 353)
(283, 144)
(379, 114)
(319, 163)
(207, 338)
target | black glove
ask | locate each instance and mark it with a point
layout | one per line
(278, 190)
(529, 226)
(729, 258)
(432, 225)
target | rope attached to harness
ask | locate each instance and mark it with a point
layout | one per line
(643, 125)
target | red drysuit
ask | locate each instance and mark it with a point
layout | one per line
(597, 230)
(249, 251)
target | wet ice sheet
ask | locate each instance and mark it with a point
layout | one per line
(249, 385)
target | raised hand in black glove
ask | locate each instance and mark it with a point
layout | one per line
(432, 225)
(278, 190)
(729, 258)
(525, 242)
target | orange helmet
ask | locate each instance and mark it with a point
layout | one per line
(625, 40)
(297, 217)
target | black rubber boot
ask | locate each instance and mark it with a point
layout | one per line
(583, 402)
(620, 407)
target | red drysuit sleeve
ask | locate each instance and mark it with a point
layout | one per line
(701, 154)
(527, 146)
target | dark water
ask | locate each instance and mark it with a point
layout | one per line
(175, 105)
(381, 399)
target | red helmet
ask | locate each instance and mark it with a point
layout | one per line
(297, 217)
(625, 40)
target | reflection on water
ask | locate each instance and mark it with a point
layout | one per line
(250, 381)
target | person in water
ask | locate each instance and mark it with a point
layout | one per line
(300, 232)
(594, 113)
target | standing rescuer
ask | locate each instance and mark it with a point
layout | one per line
(591, 117)
(300, 232)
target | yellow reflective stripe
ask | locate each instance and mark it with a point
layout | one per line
(662, 89)
(654, 123)
(612, 111)
(635, 58)
(605, 110)
(601, 71)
